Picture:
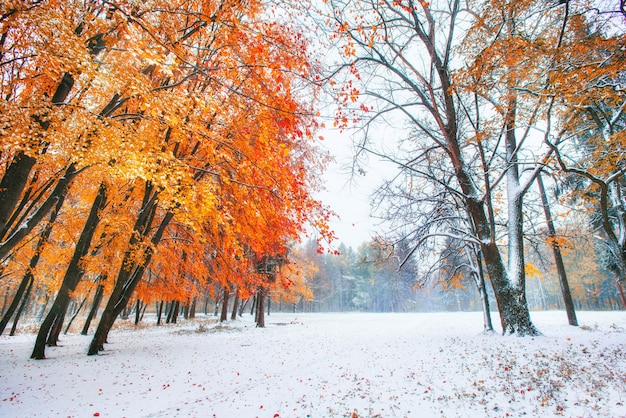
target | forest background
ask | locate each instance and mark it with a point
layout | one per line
(166, 156)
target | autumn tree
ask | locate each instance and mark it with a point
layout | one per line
(405, 50)
(473, 82)
(593, 111)
(195, 116)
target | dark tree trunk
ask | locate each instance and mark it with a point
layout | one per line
(159, 312)
(143, 311)
(53, 336)
(80, 307)
(556, 251)
(94, 306)
(242, 306)
(192, 308)
(26, 227)
(620, 290)
(12, 185)
(137, 311)
(225, 297)
(233, 314)
(19, 296)
(260, 317)
(511, 300)
(17, 173)
(73, 274)
(19, 312)
(28, 278)
(186, 310)
(173, 314)
(131, 272)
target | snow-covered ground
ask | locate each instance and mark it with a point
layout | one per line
(327, 365)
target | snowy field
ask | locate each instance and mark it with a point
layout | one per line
(327, 365)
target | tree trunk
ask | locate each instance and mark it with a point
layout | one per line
(159, 312)
(57, 325)
(242, 306)
(260, 317)
(484, 296)
(173, 314)
(28, 278)
(26, 227)
(19, 312)
(620, 290)
(94, 306)
(130, 272)
(80, 307)
(17, 173)
(556, 251)
(233, 314)
(225, 297)
(73, 274)
(12, 185)
(17, 298)
(192, 308)
(137, 311)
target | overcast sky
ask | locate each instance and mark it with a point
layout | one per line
(347, 195)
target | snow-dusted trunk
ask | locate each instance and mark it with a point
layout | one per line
(617, 197)
(479, 278)
(558, 260)
(511, 301)
(515, 229)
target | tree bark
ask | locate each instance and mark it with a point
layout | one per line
(482, 291)
(57, 325)
(225, 297)
(159, 312)
(137, 311)
(131, 272)
(26, 227)
(260, 317)
(94, 306)
(19, 312)
(556, 251)
(72, 276)
(192, 308)
(16, 176)
(28, 278)
(173, 313)
(233, 314)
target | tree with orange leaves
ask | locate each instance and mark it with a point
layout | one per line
(190, 116)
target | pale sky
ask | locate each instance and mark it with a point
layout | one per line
(349, 195)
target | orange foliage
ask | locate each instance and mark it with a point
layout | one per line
(194, 99)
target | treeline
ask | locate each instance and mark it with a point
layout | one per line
(369, 279)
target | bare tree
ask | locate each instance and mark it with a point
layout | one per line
(407, 52)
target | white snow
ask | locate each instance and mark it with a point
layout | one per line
(326, 365)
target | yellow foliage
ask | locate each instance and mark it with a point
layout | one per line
(532, 271)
